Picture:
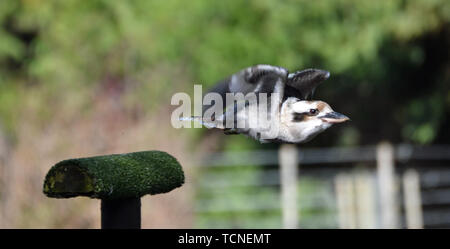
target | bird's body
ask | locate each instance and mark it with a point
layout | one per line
(279, 110)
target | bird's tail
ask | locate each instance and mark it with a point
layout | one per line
(203, 121)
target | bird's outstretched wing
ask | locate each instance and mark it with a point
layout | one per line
(302, 84)
(257, 79)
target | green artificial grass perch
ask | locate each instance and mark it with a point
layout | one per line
(118, 176)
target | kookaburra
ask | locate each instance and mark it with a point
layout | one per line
(293, 118)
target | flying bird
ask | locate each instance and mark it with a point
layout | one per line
(291, 117)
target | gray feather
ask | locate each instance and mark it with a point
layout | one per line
(306, 81)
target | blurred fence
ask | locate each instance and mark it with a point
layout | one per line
(380, 186)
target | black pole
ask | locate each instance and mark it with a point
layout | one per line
(121, 213)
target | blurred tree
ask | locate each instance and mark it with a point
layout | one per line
(389, 62)
(389, 59)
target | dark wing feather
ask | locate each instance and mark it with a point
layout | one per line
(305, 82)
(256, 79)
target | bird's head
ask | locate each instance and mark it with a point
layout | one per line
(305, 119)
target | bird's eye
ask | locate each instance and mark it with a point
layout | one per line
(313, 111)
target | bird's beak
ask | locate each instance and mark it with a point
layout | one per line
(334, 117)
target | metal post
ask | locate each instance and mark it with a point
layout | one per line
(387, 186)
(288, 155)
(121, 213)
(412, 200)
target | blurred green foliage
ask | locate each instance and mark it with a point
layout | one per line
(377, 52)
(389, 64)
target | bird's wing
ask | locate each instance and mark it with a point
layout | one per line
(256, 79)
(305, 82)
(259, 79)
